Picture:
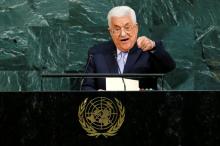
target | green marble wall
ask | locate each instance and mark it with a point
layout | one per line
(54, 36)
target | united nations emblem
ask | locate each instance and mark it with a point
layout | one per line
(101, 116)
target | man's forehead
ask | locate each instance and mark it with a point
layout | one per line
(121, 21)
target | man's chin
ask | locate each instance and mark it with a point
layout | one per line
(126, 48)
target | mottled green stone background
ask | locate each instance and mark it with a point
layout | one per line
(54, 35)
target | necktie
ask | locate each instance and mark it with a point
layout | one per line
(121, 59)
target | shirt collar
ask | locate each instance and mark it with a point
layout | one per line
(119, 51)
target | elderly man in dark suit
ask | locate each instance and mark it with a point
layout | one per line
(126, 52)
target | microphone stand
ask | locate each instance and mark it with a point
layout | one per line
(120, 71)
(89, 60)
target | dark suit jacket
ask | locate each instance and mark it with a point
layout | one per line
(103, 60)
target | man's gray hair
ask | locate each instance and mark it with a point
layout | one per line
(121, 11)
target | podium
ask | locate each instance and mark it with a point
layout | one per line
(82, 76)
(152, 118)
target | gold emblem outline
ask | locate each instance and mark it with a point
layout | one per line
(93, 132)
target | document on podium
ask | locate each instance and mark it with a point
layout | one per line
(116, 84)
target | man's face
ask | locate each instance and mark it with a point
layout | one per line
(123, 32)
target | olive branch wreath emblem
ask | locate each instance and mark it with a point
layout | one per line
(92, 131)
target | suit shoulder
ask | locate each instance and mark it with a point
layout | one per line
(102, 47)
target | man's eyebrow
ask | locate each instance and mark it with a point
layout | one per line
(116, 26)
(127, 24)
(120, 26)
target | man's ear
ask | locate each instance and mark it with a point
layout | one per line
(110, 32)
(137, 26)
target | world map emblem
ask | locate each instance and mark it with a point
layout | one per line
(101, 116)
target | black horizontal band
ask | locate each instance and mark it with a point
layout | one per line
(98, 75)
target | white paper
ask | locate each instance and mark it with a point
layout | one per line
(116, 84)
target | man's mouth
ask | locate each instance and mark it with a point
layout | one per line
(124, 40)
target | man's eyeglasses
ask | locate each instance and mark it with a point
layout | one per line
(118, 30)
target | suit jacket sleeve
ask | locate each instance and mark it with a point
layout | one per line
(160, 59)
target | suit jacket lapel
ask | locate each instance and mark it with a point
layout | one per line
(110, 59)
(133, 55)
(111, 62)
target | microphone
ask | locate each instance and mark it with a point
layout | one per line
(119, 70)
(86, 68)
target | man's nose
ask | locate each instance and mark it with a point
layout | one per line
(123, 33)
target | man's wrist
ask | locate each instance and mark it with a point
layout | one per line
(153, 44)
(153, 47)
